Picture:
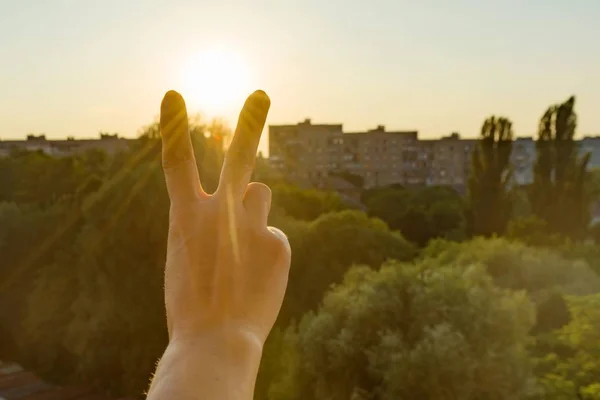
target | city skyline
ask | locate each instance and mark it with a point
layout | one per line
(75, 68)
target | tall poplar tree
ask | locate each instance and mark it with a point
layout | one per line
(558, 194)
(490, 205)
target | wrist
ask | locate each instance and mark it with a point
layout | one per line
(220, 339)
(224, 362)
(231, 347)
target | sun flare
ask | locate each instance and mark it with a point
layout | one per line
(215, 81)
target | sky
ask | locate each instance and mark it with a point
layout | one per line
(77, 67)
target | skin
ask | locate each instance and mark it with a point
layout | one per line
(226, 270)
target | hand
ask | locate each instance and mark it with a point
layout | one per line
(226, 271)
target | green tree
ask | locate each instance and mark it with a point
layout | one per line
(419, 331)
(559, 194)
(490, 205)
(516, 266)
(532, 231)
(92, 302)
(305, 204)
(95, 288)
(546, 275)
(419, 214)
(576, 375)
(327, 247)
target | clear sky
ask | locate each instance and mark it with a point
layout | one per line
(76, 67)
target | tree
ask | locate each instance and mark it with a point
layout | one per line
(532, 231)
(92, 256)
(516, 266)
(115, 261)
(576, 375)
(490, 206)
(305, 204)
(559, 194)
(419, 331)
(327, 247)
(545, 275)
(419, 214)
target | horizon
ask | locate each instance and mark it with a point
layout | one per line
(78, 67)
(533, 136)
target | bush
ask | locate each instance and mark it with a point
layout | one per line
(419, 214)
(533, 231)
(425, 331)
(546, 275)
(325, 249)
(91, 309)
(576, 376)
(305, 204)
(514, 265)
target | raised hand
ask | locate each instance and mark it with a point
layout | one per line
(225, 268)
(226, 271)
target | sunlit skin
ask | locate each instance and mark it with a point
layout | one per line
(226, 271)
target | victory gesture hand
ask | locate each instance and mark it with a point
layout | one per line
(226, 271)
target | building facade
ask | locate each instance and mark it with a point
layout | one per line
(447, 161)
(310, 154)
(522, 158)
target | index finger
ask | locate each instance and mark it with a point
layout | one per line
(179, 163)
(241, 155)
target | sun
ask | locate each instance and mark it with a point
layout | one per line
(215, 81)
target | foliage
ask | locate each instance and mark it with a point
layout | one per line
(533, 231)
(490, 205)
(419, 214)
(94, 280)
(559, 194)
(542, 273)
(578, 374)
(326, 248)
(33, 177)
(82, 239)
(521, 208)
(585, 251)
(73, 302)
(426, 331)
(516, 266)
(305, 204)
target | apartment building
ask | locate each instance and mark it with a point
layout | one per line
(381, 157)
(522, 158)
(310, 154)
(447, 161)
(306, 153)
(591, 144)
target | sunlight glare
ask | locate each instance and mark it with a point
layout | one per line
(216, 81)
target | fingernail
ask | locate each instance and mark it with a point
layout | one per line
(261, 98)
(171, 107)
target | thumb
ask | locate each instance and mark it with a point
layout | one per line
(257, 202)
